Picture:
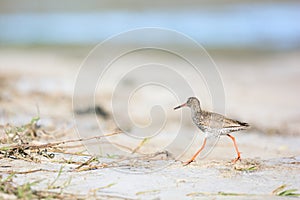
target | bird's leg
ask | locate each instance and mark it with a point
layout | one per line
(196, 154)
(236, 148)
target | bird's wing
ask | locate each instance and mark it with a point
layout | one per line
(219, 121)
(231, 123)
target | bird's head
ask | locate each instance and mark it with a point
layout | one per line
(189, 103)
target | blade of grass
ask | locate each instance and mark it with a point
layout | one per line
(142, 143)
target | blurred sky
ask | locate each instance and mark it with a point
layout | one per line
(261, 25)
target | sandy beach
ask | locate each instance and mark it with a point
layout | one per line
(260, 88)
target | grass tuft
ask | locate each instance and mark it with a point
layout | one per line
(280, 191)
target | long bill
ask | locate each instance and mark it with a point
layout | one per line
(180, 106)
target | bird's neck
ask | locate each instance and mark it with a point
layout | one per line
(195, 109)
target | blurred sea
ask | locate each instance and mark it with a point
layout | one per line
(262, 26)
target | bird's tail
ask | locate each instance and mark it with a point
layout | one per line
(244, 124)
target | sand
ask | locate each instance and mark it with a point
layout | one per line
(260, 88)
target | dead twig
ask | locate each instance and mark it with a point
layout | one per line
(53, 144)
(93, 158)
(27, 172)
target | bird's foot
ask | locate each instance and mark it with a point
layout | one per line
(236, 159)
(187, 162)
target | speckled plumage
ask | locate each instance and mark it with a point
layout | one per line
(212, 124)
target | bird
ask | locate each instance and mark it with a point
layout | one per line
(212, 124)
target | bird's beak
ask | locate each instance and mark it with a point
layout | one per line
(180, 106)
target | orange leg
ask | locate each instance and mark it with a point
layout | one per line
(196, 154)
(236, 148)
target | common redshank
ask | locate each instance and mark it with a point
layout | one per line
(212, 124)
